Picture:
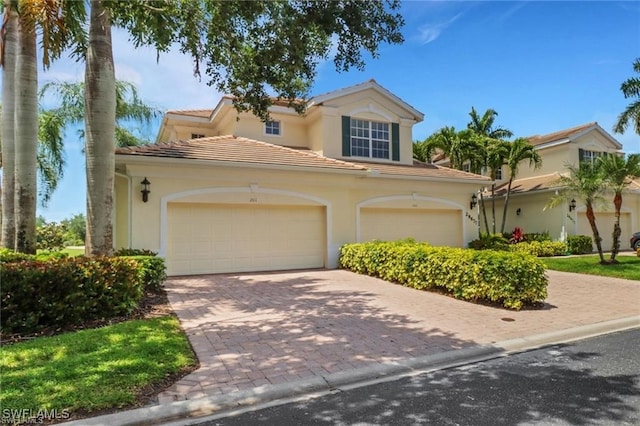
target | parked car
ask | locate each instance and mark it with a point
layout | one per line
(635, 241)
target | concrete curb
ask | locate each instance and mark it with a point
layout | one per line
(343, 380)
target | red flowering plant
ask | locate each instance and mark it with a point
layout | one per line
(517, 236)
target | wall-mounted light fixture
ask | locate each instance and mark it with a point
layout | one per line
(473, 202)
(572, 205)
(518, 211)
(145, 189)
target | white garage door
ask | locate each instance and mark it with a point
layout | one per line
(206, 238)
(605, 222)
(437, 227)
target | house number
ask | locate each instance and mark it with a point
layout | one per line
(253, 200)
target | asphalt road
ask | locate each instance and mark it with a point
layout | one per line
(594, 382)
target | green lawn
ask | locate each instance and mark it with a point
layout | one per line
(92, 369)
(629, 266)
(73, 251)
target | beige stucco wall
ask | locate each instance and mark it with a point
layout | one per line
(121, 216)
(293, 129)
(554, 160)
(338, 192)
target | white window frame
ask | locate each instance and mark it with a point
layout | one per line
(499, 174)
(365, 133)
(466, 167)
(591, 156)
(268, 128)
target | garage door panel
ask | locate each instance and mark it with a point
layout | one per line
(209, 238)
(437, 227)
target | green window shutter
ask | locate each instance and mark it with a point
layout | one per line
(346, 136)
(395, 141)
(580, 155)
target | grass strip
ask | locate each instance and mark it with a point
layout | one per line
(92, 369)
(627, 268)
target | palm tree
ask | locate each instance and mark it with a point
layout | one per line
(587, 183)
(100, 112)
(425, 150)
(483, 125)
(8, 62)
(519, 150)
(26, 137)
(630, 89)
(618, 173)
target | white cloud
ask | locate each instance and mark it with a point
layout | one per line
(430, 32)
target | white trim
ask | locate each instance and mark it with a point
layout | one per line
(371, 108)
(331, 260)
(412, 197)
(272, 135)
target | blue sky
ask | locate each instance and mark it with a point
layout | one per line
(544, 66)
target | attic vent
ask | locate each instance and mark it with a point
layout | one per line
(196, 136)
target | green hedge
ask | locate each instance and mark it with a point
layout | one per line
(511, 279)
(152, 271)
(541, 248)
(580, 244)
(37, 294)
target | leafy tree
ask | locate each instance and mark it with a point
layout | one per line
(484, 125)
(50, 236)
(76, 227)
(519, 150)
(587, 183)
(618, 172)
(630, 89)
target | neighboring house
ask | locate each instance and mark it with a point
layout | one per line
(230, 193)
(533, 188)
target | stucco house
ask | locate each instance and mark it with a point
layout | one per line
(533, 188)
(229, 193)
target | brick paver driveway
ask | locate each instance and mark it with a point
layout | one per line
(257, 329)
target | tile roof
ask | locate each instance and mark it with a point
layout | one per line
(535, 183)
(202, 113)
(420, 169)
(234, 149)
(559, 135)
(237, 150)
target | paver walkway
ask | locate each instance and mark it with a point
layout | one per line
(257, 329)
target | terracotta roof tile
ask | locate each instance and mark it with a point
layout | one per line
(536, 183)
(237, 150)
(559, 135)
(420, 169)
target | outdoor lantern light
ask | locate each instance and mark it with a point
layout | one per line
(474, 201)
(518, 211)
(572, 205)
(145, 190)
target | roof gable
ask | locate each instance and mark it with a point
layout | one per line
(361, 87)
(571, 134)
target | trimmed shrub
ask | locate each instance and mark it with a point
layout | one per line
(152, 271)
(490, 242)
(579, 244)
(50, 236)
(537, 236)
(37, 294)
(509, 278)
(134, 252)
(541, 248)
(7, 255)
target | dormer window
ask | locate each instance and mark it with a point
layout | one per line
(272, 128)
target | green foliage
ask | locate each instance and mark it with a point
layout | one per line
(134, 252)
(50, 236)
(152, 271)
(76, 230)
(490, 242)
(537, 236)
(94, 369)
(628, 267)
(511, 279)
(38, 294)
(579, 244)
(541, 248)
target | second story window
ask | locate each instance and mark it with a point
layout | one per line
(466, 167)
(272, 128)
(499, 174)
(370, 139)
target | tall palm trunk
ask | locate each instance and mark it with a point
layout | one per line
(506, 205)
(591, 217)
(617, 202)
(100, 112)
(8, 233)
(26, 139)
(484, 212)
